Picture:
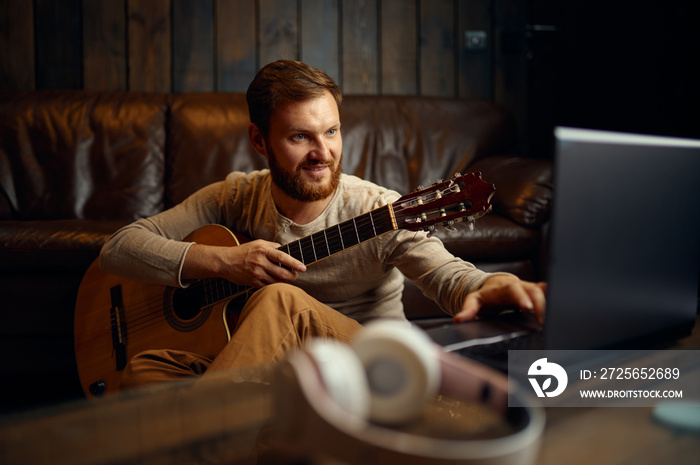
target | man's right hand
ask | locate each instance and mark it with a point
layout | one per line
(255, 264)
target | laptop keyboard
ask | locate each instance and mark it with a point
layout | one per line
(489, 339)
(495, 353)
(519, 340)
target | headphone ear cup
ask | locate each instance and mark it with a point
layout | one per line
(401, 367)
(342, 374)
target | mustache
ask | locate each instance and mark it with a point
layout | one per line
(312, 163)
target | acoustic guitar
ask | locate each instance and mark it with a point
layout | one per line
(116, 318)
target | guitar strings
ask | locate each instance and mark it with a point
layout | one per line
(148, 312)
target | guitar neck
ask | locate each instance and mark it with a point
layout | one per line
(323, 244)
(312, 248)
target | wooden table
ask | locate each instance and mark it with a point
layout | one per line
(223, 422)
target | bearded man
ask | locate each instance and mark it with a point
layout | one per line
(295, 124)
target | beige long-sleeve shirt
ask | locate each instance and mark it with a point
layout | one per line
(363, 282)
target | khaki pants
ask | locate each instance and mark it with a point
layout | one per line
(276, 319)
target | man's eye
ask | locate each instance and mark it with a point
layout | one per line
(298, 137)
(332, 132)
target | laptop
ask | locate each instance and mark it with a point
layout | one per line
(624, 254)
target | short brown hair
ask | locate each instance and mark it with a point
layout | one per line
(283, 81)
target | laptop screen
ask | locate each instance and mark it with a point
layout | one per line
(625, 245)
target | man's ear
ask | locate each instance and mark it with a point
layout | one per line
(257, 139)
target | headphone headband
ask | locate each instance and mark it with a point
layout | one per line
(315, 426)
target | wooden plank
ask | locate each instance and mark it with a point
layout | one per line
(149, 45)
(399, 47)
(620, 435)
(510, 61)
(58, 33)
(104, 45)
(320, 39)
(360, 57)
(278, 31)
(193, 45)
(474, 75)
(235, 44)
(16, 44)
(437, 49)
(216, 419)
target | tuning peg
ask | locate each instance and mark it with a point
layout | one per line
(431, 230)
(471, 225)
(449, 226)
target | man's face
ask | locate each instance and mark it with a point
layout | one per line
(304, 148)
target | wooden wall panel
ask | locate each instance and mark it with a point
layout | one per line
(510, 70)
(399, 47)
(360, 74)
(474, 78)
(414, 47)
(367, 46)
(58, 44)
(16, 44)
(320, 35)
(437, 50)
(104, 45)
(149, 45)
(278, 31)
(236, 49)
(193, 45)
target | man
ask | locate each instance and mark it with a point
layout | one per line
(295, 125)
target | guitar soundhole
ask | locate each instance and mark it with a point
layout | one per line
(185, 309)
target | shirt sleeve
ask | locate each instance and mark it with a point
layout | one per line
(153, 249)
(441, 276)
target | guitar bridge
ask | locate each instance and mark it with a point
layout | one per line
(116, 313)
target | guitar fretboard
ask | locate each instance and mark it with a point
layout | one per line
(335, 239)
(313, 248)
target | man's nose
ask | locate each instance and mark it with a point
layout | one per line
(321, 150)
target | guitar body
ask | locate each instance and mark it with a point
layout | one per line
(116, 318)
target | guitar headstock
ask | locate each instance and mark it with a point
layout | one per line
(462, 198)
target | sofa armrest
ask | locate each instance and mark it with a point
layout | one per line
(523, 187)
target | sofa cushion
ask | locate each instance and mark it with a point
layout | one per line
(493, 238)
(52, 246)
(207, 139)
(85, 155)
(523, 187)
(402, 142)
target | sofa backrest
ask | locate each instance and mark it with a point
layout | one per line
(122, 155)
(399, 142)
(402, 142)
(207, 139)
(86, 155)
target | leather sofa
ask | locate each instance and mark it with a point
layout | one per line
(77, 165)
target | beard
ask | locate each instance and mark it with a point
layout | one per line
(293, 184)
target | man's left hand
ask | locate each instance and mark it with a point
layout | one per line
(502, 290)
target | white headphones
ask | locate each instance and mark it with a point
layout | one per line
(340, 402)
